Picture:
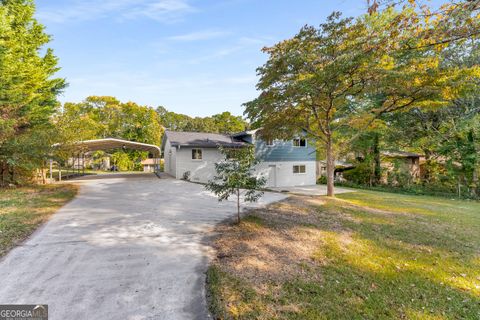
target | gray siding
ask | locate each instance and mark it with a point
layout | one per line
(284, 151)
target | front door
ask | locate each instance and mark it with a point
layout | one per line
(272, 175)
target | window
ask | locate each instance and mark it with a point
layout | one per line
(299, 142)
(299, 169)
(196, 154)
(269, 142)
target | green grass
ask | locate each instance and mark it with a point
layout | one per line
(379, 256)
(22, 210)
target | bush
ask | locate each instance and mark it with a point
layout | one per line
(417, 189)
(322, 180)
(122, 161)
(360, 175)
(186, 175)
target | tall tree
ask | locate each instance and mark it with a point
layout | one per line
(223, 122)
(226, 122)
(28, 90)
(349, 73)
(103, 117)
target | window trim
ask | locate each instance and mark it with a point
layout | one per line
(299, 143)
(201, 154)
(299, 166)
(271, 144)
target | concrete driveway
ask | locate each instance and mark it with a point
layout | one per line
(127, 247)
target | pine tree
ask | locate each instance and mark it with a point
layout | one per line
(28, 91)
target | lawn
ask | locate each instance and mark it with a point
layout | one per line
(363, 255)
(22, 210)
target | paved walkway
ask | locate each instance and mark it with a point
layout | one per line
(317, 190)
(128, 247)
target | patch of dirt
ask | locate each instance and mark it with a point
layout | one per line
(272, 244)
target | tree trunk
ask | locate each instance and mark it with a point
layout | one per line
(475, 187)
(426, 168)
(12, 174)
(376, 154)
(330, 167)
(459, 188)
(238, 205)
(475, 182)
(2, 170)
(44, 176)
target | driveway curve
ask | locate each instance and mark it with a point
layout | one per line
(127, 247)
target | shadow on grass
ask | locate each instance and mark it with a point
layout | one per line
(372, 265)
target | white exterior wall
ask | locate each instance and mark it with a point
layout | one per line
(170, 159)
(284, 176)
(178, 161)
(200, 170)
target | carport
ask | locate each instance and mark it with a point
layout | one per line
(80, 148)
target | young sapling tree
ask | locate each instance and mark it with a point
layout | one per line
(235, 176)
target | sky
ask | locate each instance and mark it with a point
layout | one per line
(197, 57)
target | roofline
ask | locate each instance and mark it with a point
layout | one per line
(200, 145)
(128, 142)
(242, 133)
(400, 154)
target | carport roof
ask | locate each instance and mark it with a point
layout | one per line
(113, 143)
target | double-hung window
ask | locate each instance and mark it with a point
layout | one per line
(300, 142)
(298, 169)
(196, 154)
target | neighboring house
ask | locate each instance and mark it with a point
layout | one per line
(390, 161)
(401, 160)
(150, 164)
(193, 155)
(340, 167)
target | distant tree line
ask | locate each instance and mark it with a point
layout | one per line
(32, 120)
(107, 117)
(223, 122)
(399, 77)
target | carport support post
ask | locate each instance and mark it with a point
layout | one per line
(238, 204)
(51, 170)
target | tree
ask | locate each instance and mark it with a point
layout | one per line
(227, 123)
(235, 173)
(100, 117)
(442, 134)
(348, 73)
(28, 91)
(223, 122)
(451, 22)
(306, 83)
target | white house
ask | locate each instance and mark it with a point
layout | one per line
(192, 155)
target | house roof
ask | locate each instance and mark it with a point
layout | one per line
(202, 139)
(400, 154)
(244, 133)
(150, 161)
(339, 164)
